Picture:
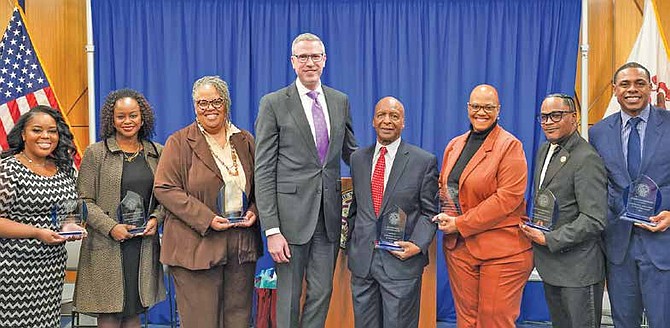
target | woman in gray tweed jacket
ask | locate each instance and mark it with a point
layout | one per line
(119, 273)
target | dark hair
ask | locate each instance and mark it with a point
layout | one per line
(567, 100)
(631, 65)
(65, 150)
(107, 128)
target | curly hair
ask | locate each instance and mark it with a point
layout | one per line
(65, 150)
(107, 128)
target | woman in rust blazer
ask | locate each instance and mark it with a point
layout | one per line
(488, 257)
(212, 260)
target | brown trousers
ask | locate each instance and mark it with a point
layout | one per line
(219, 297)
(487, 293)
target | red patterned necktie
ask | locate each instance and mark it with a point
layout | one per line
(378, 181)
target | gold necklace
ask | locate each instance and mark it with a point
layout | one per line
(132, 157)
(30, 160)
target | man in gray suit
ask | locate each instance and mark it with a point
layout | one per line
(302, 131)
(570, 256)
(390, 175)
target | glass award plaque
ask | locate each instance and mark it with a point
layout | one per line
(131, 211)
(234, 213)
(392, 230)
(545, 211)
(69, 217)
(449, 201)
(641, 200)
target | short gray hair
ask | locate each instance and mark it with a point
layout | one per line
(219, 84)
(307, 37)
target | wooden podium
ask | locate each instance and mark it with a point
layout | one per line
(341, 313)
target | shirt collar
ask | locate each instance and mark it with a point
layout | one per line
(302, 90)
(391, 148)
(644, 115)
(232, 129)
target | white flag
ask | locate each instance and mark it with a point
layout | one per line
(651, 51)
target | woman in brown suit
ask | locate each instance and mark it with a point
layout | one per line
(119, 275)
(212, 259)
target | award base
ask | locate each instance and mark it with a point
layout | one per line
(137, 231)
(71, 233)
(236, 219)
(387, 246)
(538, 227)
(637, 220)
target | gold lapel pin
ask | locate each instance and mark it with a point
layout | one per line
(563, 159)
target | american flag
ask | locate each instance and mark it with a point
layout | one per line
(23, 83)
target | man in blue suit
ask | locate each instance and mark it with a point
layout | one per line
(632, 143)
(390, 175)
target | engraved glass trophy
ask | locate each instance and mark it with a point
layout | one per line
(231, 203)
(392, 230)
(69, 216)
(131, 211)
(449, 201)
(641, 200)
(545, 211)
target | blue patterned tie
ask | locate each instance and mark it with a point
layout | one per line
(634, 153)
(320, 127)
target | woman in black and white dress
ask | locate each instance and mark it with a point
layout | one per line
(35, 173)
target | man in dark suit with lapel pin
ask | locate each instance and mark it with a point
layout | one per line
(302, 132)
(386, 285)
(632, 143)
(570, 257)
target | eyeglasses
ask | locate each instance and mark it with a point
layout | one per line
(488, 109)
(555, 116)
(317, 58)
(204, 104)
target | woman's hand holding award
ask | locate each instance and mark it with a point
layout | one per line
(69, 217)
(232, 204)
(131, 211)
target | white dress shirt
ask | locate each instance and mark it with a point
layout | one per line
(391, 151)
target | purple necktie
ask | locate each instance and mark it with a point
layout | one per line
(320, 127)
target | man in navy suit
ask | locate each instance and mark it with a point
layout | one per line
(387, 176)
(632, 143)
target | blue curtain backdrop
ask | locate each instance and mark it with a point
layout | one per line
(427, 53)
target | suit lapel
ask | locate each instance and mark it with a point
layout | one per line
(200, 147)
(399, 164)
(542, 155)
(449, 163)
(294, 108)
(555, 166)
(480, 155)
(366, 174)
(652, 136)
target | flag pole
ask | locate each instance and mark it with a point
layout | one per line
(584, 49)
(90, 64)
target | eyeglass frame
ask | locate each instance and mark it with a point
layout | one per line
(543, 117)
(304, 58)
(209, 103)
(488, 109)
